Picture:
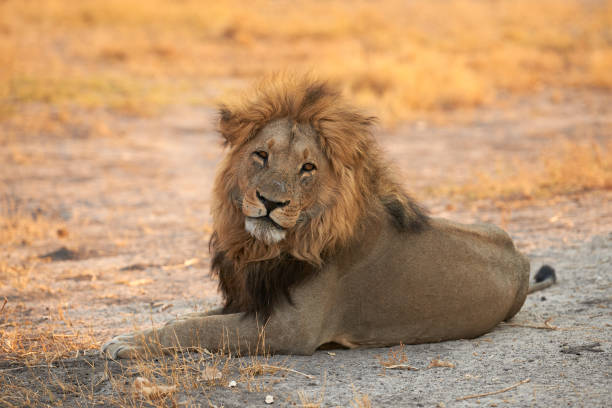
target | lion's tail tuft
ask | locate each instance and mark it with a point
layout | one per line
(545, 277)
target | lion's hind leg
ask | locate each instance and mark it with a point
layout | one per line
(522, 277)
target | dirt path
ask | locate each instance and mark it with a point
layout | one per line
(132, 212)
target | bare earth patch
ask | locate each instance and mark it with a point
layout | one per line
(104, 234)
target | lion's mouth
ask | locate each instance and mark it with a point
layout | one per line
(265, 229)
(271, 221)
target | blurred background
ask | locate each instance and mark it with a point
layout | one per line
(395, 57)
(494, 110)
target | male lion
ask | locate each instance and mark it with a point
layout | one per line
(316, 242)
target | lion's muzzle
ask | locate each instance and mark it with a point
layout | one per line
(270, 205)
(268, 218)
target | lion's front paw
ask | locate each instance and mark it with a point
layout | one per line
(130, 345)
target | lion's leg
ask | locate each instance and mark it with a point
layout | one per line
(297, 328)
(191, 315)
(233, 332)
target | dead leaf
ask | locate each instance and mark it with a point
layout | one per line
(210, 374)
(440, 363)
(148, 390)
(331, 353)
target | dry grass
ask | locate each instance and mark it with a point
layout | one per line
(50, 122)
(26, 342)
(16, 276)
(393, 55)
(566, 168)
(162, 381)
(19, 225)
(395, 357)
(309, 401)
(360, 400)
(32, 344)
(165, 380)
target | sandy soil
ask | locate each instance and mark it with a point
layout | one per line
(134, 212)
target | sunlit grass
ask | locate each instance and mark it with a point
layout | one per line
(393, 56)
(117, 93)
(566, 168)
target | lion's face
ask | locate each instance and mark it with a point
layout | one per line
(280, 177)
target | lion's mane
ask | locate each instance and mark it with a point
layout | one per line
(253, 275)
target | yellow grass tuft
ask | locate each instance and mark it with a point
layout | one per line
(307, 401)
(17, 276)
(361, 400)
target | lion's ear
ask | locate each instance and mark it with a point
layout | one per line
(227, 125)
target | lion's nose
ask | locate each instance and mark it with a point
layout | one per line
(271, 205)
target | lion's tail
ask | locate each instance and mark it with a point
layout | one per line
(544, 278)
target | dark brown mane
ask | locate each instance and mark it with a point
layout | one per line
(254, 276)
(259, 286)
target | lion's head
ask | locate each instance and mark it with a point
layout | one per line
(302, 171)
(302, 175)
(282, 173)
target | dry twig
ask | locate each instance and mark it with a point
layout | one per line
(545, 326)
(486, 394)
(400, 367)
(440, 363)
(271, 367)
(548, 326)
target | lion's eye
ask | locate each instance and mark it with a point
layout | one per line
(261, 157)
(308, 167)
(262, 154)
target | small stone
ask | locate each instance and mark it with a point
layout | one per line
(232, 384)
(269, 399)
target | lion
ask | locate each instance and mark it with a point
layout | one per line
(316, 242)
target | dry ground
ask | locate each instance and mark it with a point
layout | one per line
(103, 233)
